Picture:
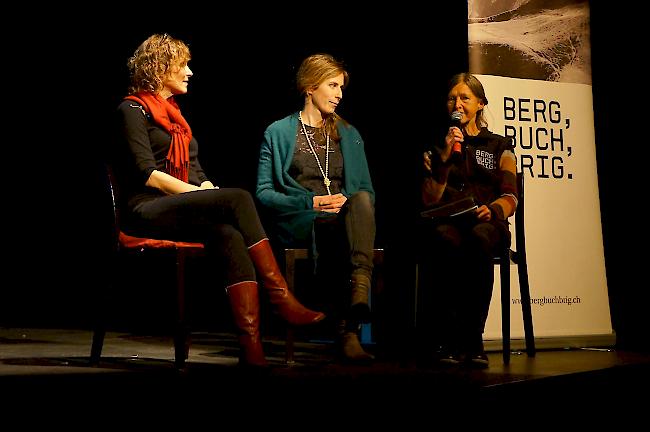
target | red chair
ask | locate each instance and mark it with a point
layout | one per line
(129, 247)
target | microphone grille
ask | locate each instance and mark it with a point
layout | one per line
(456, 116)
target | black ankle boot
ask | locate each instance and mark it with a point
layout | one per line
(350, 348)
(475, 356)
(360, 308)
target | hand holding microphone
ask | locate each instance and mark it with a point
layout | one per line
(456, 149)
(453, 139)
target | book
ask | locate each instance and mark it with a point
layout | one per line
(452, 209)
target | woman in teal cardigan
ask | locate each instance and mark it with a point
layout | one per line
(314, 183)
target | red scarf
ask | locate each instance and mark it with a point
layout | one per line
(167, 114)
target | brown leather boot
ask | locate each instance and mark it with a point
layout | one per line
(360, 309)
(245, 306)
(273, 282)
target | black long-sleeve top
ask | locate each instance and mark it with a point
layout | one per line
(140, 148)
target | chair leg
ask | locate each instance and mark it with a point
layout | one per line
(290, 275)
(99, 329)
(181, 349)
(181, 333)
(504, 271)
(98, 342)
(526, 307)
(522, 269)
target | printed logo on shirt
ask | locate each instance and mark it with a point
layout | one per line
(485, 159)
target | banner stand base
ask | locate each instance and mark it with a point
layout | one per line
(556, 342)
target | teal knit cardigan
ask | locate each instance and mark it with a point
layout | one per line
(289, 205)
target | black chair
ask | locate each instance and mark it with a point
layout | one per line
(504, 260)
(518, 258)
(123, 246)
(293, 255)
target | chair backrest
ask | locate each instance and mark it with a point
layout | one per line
(520, 239)
(112, 190)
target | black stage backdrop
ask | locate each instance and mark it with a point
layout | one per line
(64, 77)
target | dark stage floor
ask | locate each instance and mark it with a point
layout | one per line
(47, 367)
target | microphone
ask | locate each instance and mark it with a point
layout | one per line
(456, 150)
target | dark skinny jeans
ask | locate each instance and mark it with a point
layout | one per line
(225, 220)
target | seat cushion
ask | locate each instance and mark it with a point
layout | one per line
(130, 242)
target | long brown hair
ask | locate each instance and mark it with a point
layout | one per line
(153, 60)
(312, 72)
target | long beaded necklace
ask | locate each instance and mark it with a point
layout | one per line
(326, 180)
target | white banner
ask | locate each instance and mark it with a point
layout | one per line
(534, 63)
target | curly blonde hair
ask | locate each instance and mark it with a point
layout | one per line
(153, 60)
